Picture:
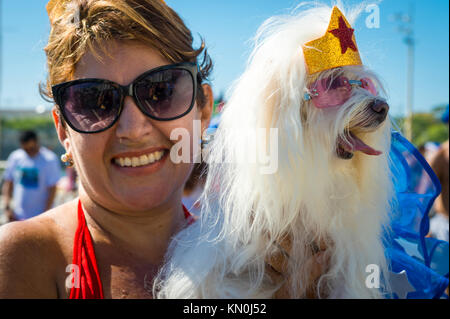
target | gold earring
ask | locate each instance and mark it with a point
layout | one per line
(67, 160)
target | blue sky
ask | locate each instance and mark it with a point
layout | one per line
(227, 27)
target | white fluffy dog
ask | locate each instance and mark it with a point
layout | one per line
(311, 228)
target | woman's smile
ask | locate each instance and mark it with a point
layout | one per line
(140, 163)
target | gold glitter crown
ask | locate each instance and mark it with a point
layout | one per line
(336, 48)
(55, 8)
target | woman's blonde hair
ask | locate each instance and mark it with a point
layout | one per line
(81, 26)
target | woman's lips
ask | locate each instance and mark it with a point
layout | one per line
(138, 153)
(139, 160)
(140, 163)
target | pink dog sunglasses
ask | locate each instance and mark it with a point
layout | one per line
(335, 91)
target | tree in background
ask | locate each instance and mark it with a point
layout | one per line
(427, 127)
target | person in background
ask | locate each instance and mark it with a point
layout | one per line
(30, 179)
(194, 188)
(439, 161)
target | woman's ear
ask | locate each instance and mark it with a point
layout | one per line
(60, 129)
(207, 109)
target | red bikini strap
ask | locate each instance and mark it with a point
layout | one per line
(84, 258)
(191, 218)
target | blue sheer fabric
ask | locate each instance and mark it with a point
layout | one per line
(423, 261)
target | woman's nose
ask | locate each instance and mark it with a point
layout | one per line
(133, 125)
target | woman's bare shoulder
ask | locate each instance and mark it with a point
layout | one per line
(31, 252)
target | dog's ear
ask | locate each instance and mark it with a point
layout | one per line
(303, 112)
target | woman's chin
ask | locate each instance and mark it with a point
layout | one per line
(143, 201)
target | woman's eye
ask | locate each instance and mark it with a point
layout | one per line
(163, 91)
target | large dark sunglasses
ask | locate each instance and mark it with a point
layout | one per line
(93, 105)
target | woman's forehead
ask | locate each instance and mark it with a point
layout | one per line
(122, 63)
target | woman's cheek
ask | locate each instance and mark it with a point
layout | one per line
(185, 138)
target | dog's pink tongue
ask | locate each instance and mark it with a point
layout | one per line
(358, 145)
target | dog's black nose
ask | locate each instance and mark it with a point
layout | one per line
(380, 107)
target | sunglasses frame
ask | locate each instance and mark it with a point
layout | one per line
(128, 90)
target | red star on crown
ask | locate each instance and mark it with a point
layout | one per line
(344, 34)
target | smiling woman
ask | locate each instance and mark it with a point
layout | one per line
(123, 75)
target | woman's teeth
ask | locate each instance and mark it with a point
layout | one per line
(139, 161)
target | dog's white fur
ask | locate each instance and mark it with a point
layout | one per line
(313, 197)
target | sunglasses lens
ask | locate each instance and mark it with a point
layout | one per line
(90, 106)
(166, 94)
(331, 92)
(369, 86)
